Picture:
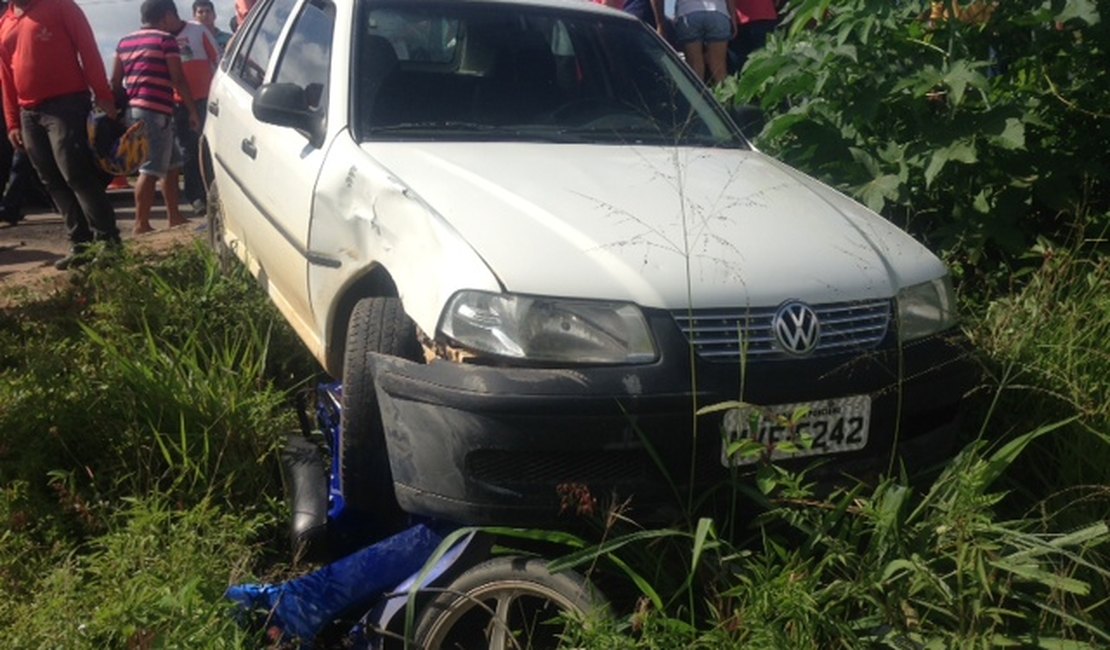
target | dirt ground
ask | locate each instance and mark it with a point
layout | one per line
(29, 249)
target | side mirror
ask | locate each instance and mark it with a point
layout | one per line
(749, 118)
(286, 104)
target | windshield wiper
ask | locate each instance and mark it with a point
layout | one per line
(514, 132)
(451, 125)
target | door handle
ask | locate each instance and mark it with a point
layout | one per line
(214, 107)
(248, 147)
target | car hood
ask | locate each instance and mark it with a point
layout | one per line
(661, 227)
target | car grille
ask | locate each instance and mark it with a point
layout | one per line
(721, 334)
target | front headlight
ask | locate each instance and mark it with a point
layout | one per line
(926, 308)
(548, 330)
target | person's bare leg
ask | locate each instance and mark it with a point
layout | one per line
(170, 194)
(144, 198)
(694, 58)
(716, 59)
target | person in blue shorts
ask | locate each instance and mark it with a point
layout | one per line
(703, 29)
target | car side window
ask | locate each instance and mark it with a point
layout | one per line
(307, 54)
(253, 57)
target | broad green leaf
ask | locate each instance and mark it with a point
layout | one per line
(888, 519)
(867, 160)
(959, 151)
(982, 202)
(876, 193)
(783, 123)
(1012, 136)
(766, 479)
(745, 449)
(960, 75)
(756, 72)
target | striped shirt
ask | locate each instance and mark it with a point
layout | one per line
(143, 56)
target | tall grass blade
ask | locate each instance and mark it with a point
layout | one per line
(1004, 457)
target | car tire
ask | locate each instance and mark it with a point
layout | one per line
(376, 325)
(506, 602)
(214, 224)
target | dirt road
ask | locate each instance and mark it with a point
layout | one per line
(29, 249)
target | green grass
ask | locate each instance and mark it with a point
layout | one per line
(1007, 546)
(1049, 359)
(153, 578)
(141, 406)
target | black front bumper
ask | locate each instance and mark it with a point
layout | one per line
(494, 445)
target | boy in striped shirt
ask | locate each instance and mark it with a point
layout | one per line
(148, 66)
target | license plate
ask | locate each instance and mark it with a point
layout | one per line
(832, 426)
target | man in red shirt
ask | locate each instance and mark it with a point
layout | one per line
(49, 61)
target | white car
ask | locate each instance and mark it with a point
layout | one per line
(531, 245)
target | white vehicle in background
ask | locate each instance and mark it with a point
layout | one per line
(530, 244)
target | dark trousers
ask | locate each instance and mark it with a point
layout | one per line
(189, 140)
(21, 183)
(749, 38)
(57, 142)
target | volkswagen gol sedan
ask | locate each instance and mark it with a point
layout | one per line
(531, 245)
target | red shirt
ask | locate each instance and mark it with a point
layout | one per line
(47, 52)
(752, 10)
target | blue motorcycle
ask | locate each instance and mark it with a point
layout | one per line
(432, 585)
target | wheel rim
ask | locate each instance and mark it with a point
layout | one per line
(503, 615)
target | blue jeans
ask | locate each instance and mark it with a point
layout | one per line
(164, 154)
(703, 27)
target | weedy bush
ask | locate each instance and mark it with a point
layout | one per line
(145, 377)
(139, 406)
(155, 578)
(887, 566)
(976, 130)
(1047, 347)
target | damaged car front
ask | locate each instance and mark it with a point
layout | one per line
(561, 249)
(532, 248)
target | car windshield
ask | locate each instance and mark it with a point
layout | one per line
(471, 71)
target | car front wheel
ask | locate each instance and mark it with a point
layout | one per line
(376, 325)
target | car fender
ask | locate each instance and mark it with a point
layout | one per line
(366, 219)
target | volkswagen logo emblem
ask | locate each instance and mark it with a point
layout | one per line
(796, 328)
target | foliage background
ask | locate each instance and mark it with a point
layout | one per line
(981, 131)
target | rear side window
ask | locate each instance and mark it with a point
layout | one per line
(252, 59)
(307, 54)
